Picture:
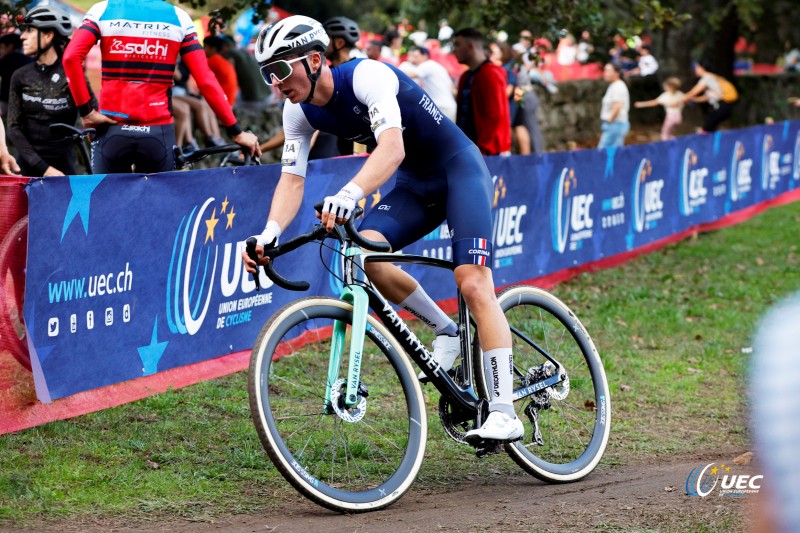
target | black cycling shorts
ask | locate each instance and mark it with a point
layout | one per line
(150, 148)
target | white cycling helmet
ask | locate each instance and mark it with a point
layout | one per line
(295, 35)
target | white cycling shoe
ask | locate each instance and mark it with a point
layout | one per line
(497, 427)
(445, 351)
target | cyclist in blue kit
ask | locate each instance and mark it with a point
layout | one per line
(441, 175)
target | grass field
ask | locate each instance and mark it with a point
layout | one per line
(673, 328)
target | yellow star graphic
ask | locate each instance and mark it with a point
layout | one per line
(224, 205)
(714, 471)
(211, 223)
(376, 197)
(728, 469)
(230, 219)
(362, 203)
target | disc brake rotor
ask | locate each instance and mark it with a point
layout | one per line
(348, 413)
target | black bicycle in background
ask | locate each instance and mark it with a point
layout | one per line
(339, 409)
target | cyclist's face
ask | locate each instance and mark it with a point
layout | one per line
(30, 40)
(297, 86)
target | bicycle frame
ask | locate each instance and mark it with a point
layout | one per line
(363, 296)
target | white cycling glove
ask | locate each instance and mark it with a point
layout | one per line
(269, 237)
(343, 204)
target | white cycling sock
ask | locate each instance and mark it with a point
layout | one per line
(419, 304)
(498, 367)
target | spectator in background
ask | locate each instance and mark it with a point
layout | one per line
(672, 100)
(567, 51)
(11, 58)
(483, 113)
(253, 92)
(791, 60)
(393, 47)
(523, 103)
(344, 34)
(223, 70)
(585, 48)
(432, 77)
(8, 164)
(647, 64)
(374, 50)
(614, 108)
(39, 96)
(717, 92)
(445, 31)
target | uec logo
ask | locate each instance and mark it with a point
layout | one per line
(741, 179)
(693, 191)
(646, 194)
(569, 211)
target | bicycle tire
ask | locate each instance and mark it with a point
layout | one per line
(344, 466)
(12, 291)
(575, 429)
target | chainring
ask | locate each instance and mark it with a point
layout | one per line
(455, 429)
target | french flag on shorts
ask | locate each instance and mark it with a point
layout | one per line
(479, 251)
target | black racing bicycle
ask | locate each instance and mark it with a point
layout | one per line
(338, 407)
(234, 156)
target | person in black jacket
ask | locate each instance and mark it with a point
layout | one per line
(39, 96)
(11, 58)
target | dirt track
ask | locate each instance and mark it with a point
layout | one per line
(628, 497)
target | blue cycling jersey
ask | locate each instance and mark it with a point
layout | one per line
(370, 97)
(443, 175)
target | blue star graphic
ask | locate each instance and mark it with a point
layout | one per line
(151, 354)
(82, 189)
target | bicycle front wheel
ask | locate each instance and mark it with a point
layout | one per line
(574, 416)
(346, 458)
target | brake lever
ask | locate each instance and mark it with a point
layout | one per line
(250, 247)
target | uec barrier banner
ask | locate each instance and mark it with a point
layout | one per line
(129, 275)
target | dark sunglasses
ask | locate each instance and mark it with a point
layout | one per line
(277, 71)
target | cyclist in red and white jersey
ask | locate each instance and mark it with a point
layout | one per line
(140, 41)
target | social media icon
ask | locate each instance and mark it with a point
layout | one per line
(109, 316)
(52, 327)
(89, 319)
(126, 313)
(73, 323)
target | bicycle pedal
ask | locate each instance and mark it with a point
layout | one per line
(488, 448)
(477, 441)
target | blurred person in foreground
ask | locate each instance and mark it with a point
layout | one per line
(775, 404)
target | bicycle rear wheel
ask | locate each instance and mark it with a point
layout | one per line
(345, 459)
(573, 417)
